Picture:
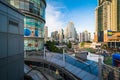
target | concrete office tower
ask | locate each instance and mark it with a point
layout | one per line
(45, 34)
(11, 43)
(55, 36)
(34, 21)
(61, 36)
(107, 18)
(70, 32)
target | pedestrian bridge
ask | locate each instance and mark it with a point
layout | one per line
(69, 67)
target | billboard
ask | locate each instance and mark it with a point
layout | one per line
(109, 32)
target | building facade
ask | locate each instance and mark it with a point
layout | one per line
(45, 34)
(85, 36)
(81, 37)
(107, 18)
(61, 35)
(70, 32)
(108, 22)
(34, 11)
(11, 43)
(55, 36)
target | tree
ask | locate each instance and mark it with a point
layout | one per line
(82, 44)
(104, 46)
(69, 45)
(51, 47)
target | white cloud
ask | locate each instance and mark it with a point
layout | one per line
(53, 18)
(58, 15)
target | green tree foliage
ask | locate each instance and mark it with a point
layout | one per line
(82, 44)
(104, 46)
(90, 50)
(51, 47)
(69, 45)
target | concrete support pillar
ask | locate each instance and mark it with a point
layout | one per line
(115, 44)
(64, 56)
(25, 54)
(100, 68)
(110, 44)
(44, 53)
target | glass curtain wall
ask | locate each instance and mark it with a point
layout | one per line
(34, 21)
(36, 7)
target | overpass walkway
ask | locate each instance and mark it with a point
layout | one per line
(87, 70)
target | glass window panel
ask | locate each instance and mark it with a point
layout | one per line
(16, 3)
(26, 6)
(35, 10)
(31, 5)
(30, 21)
(12, 2)
(21, 5)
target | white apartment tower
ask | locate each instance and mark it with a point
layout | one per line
(70, 32)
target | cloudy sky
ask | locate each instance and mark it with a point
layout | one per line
(81, 12)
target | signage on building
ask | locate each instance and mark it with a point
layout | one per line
(109, 32)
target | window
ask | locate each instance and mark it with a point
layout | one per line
(31, 5)
(16, 3)
(35, 10)
(12, 2)
(13, 23)
(21, 5)
(26, 6)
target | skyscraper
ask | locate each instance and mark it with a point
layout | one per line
(61, 35)
(81, 37)
(34, 11)
(107, 18)
(55, 36)
(70, 32)
(85, 36)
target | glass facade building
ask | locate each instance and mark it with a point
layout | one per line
(34, 21)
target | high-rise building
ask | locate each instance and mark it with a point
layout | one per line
(102, 18)
(85, 36)
(11, 42)
(108, 23)
(55, 36)
(70, 32)
(61, 35)
(89, 36)
(107, 18)
(45, 33)
(34, 11)
(81, 37)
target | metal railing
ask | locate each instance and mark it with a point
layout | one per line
(110, 73)
(89, 66)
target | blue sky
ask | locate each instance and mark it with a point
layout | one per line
(81, 12)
